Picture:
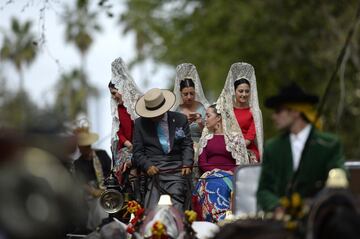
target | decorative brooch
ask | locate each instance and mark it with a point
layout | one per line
(179, 133)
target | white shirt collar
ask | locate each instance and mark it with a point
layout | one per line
(297, 142)
(302, 135)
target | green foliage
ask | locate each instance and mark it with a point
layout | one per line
(13, 108)
(80, 24)
(71, 94)
(285, 41)
(15, 105)
(73, 87)
(19, 46)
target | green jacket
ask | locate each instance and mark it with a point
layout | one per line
(322, 152)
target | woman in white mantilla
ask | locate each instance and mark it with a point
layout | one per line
(190, 98)
(223, 144)
(228, 101)
(125, 93)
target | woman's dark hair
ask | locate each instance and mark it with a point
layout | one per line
(213, 106)
(111, 85)
(186, 82)
(241, 81)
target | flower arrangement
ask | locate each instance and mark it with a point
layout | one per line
(158, 231)
(135, 208)
(295, 211)
(190, 217)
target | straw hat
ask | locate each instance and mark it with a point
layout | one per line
(154, 103)
(85, 137)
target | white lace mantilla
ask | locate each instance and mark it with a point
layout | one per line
(127, 87)
(234, 139)
(188, 70)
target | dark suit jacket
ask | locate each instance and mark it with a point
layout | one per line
(84, 168)
(147, 145)
(322, 152)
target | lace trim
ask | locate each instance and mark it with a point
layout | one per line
(130, 92)
(234, 139)
(188, 70)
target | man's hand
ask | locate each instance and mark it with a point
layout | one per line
(96, 192)
(152, 170)
(185, 171)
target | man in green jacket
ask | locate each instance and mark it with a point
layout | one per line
(299, 159)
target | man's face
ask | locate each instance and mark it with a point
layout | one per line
(157, 119)
(284, 118)
(85, 150)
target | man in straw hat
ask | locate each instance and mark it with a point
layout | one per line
(91, 168)
(163, 148)
(299, 159)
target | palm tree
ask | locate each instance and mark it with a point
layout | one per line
(80, 24)
(19, 47)
(71, 94)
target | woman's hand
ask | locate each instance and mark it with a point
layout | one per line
(199, 121)
(194, 117)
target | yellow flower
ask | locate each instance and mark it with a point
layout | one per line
(158, 229)
(133, 206)
(295, 200)
(284, 202)
(190, 216)
(291, 225)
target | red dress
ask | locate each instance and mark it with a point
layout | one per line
(246, 121)
(125, 131)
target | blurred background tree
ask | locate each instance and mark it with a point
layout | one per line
(71, 94)
(14, 106)
(81, 24)
(284, 40)
(19, 47)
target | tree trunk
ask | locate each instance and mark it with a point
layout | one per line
(21, 93)
(84, 83)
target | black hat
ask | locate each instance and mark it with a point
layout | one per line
(291, 93)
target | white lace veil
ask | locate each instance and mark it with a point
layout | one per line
(127, 87)
(235, 142)
(188, 70)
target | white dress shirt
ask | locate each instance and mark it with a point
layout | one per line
(297, 142)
